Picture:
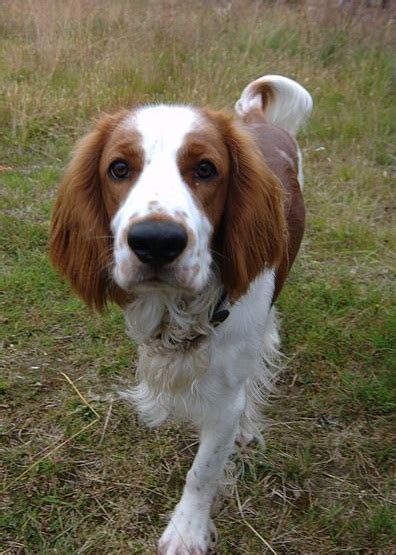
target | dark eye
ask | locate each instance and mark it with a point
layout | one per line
(119, 169)
(205, 170)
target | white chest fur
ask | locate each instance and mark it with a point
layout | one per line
(185, 362)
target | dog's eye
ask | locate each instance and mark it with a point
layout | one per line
(205, 170)
(119, 169)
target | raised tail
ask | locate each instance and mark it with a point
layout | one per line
(282, 101)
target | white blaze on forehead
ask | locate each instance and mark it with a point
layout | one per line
(163, 131)
(163, 128)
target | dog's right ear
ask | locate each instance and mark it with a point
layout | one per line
(80, 242)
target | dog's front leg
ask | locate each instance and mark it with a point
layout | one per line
(190, 530)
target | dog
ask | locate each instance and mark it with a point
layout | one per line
(190, 219)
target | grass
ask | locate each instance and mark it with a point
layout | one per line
(82, 476)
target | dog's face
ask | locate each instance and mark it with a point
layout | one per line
(165, 173)
(154, 195)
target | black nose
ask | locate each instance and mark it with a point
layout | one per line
(157, 242)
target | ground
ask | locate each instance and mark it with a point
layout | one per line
(81, 474)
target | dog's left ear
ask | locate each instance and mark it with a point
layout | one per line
(253, 231)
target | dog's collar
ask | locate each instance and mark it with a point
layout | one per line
(220, 313)
(217, 317)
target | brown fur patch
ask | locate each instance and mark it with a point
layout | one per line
(206, 144)
(280, 152)
(81, 242)
(124, 144)
(251, 235)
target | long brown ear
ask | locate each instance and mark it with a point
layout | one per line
(80, 238)
(253, 232)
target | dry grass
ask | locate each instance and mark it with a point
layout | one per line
(82, 476)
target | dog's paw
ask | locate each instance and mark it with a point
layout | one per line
(242, 443)
(188, 533)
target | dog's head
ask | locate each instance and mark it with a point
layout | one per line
(162, 196)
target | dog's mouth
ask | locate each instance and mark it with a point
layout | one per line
(154, 277)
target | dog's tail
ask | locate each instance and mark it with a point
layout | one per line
(282, 101)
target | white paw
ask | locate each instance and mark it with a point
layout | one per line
(188, 533)
(242, 442)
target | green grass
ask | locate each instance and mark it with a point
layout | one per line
(324, 483)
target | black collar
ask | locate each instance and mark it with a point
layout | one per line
(217, 317)
(220, 314)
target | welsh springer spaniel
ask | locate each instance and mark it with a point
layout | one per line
(190, 221)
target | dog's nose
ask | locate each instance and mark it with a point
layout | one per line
(157, 242)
